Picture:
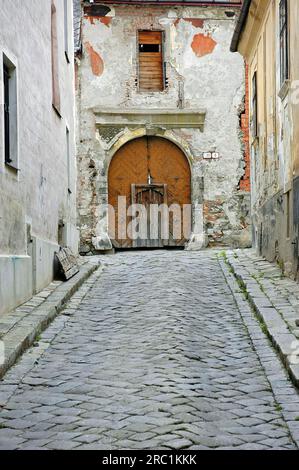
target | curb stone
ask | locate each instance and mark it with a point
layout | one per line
(277, 375)
(276, 327)
(24, 333)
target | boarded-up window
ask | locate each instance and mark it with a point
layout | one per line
(66, 29)
(150, 61)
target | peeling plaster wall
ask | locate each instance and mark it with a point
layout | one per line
(201, 73)
(274, 152)
(35, 198)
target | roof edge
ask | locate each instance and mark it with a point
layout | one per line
(240, 25)
(191, 3)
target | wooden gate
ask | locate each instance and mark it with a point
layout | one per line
(148, 171)
(149, 195)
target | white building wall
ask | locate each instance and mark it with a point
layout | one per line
(34, 198)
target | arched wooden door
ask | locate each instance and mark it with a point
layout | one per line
(149, 171)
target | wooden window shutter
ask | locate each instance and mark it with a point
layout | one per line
(150, 61)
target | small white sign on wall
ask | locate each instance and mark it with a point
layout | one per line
(207, 155)
(211, 155)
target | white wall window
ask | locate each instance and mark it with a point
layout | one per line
(68, 156)
(284, 41)
(288, 213)
(66, 29)
(55, 68)
(254, 125)
(10, 113)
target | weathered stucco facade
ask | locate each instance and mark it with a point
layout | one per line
(200, 110)
(38, 180)
(274, 136)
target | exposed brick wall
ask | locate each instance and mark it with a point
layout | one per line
(245, 181)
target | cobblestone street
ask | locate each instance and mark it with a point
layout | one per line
(151, 353)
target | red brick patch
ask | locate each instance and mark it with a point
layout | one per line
(106, 20)
(245, 180)
(196, 22)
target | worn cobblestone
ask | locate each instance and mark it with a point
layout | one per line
(154, 353)
(275, 301)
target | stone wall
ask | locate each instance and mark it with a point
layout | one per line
(39, 195)
(202, 76)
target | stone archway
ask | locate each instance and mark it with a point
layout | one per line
(149, 171)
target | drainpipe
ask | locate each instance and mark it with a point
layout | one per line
(240, 25)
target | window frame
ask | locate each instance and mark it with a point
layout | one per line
(56, 98)
(66, 30)
(7, 136)
(163, 63)
(288, 215)
(254, 104)
(284, 56)
(68, 156)
(10, 113)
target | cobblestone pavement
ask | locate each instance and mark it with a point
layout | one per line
(281, 291)
(275, 300)
(153, 353)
